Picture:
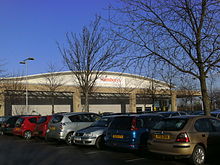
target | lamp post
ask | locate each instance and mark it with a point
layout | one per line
(26, 63)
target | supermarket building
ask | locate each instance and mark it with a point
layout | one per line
(113, 92)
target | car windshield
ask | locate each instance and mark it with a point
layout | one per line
(19, 122)
(103, 122)
(165, 114)
(172, 124)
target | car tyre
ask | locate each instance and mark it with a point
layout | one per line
(99, 142)
(27, 135)
(69, 138)
(198, 155)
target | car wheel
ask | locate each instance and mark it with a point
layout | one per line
(27, 135)
(99, 142)
(69, 138)
(198, 155)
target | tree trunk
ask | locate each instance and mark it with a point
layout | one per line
(52, 104)
(86, 101)
(205, 96)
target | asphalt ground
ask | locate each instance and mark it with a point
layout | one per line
(17, 151)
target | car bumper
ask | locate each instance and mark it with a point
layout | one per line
(122, 144)
(84, 140)
(175, 149)
(55, 135)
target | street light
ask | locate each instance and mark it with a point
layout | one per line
(26, 62)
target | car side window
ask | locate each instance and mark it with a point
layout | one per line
(75, 118)
(85, 118)
(216, 124)
(203, 125)
(33, 120)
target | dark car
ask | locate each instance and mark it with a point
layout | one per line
(25, 126)
(186, 136)
(215, 114)
(130, 131)
(42, 126)
(171, 113)
(8, 125)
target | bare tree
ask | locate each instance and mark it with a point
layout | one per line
(13, 90)
(182, 33)
(90, 53)
(53, 82)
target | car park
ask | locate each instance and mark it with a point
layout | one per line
(42, 126)
(25, 126)
(94, 134)
(186, 136)
(130, 131)
(63, 126)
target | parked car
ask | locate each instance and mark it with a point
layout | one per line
(130, 131)
(9, 124)
(186, 136)
(25, 126)
(3, 119)
(215, 114)
(42, 126)
(63, 126)
(94, 134)
(171, 113)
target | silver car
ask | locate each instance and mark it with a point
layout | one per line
(64, 125)
(94, 134)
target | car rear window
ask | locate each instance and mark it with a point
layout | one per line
(42, 120)
(171, 124)
(121, 123)
(57, 118)
(19, 122)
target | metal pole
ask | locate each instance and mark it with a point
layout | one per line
(27, 109)
(26, 83)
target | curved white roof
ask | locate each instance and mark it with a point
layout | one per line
(107, 79)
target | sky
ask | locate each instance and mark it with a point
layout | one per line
(31, 28)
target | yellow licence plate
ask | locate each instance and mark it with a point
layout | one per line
(17, 129)
(118, 136)
(164, 137)
(52, 128)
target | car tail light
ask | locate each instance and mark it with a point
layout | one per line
(134, 124)
(61, 125)
(182, 137)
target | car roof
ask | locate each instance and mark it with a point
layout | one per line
(75, 113)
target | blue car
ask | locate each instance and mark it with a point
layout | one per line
(130, 131)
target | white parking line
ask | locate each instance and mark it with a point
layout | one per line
(133, 160)
(92, 152)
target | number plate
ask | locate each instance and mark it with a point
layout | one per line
(77, 138)
(160, 136)
(52, 128)
(118, 136)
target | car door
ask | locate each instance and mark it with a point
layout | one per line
(213, 140)
(204, 129)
